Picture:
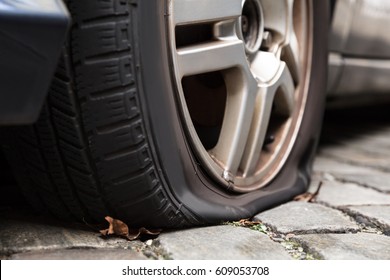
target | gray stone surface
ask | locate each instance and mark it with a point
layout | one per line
(377, 180)
(354, 164)
(31, 234)
(329, 165)
(342, 194)
(358, 157)
(364, 176)
(303, 217)
(378, 215)
(221, 242)
(80, 254)
(360, 246)
(367, 146)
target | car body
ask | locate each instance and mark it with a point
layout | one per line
(32, 33)
(359, 60)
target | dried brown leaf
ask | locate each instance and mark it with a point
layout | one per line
(309, 197)
(289, 236)
(305, 197)
(118, 228)
(135, 234)
(247, 223)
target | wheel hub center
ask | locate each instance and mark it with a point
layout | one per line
(252, 25)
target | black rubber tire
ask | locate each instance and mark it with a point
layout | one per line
(109, 140)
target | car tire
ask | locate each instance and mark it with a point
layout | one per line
(121, 132)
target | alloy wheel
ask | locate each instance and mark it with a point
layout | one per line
(241, 72)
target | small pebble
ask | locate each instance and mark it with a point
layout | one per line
(149, 242)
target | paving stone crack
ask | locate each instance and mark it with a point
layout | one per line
(293, 248)
(368, 224)
(154, 250)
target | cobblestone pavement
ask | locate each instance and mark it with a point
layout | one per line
(348, 219)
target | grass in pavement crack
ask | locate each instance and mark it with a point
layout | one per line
(293, 248)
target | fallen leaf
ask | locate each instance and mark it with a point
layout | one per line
(309, 197)
(247, 223)
(118, 228)
(135, 234)
(289, 236)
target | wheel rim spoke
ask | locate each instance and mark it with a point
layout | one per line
(271, 72)
(198, 11)
(258, 130)
(238, 115)
(211, 57)
(291, 56)
(279, 19)
(285, 97)
(277, 96)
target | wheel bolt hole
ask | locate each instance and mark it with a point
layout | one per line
(244, 25)
(252, 25)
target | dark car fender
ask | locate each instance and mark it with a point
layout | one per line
(32, 33)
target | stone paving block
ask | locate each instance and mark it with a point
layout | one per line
(221, 242)
(80, 254)
(374, 142)
(343, 194)
(367, 146)
(359, 246)
(303, 217)
(378, 181)
(361, 158)
(378, 215)
(29, 235)
(364, 176)
(328, 165)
